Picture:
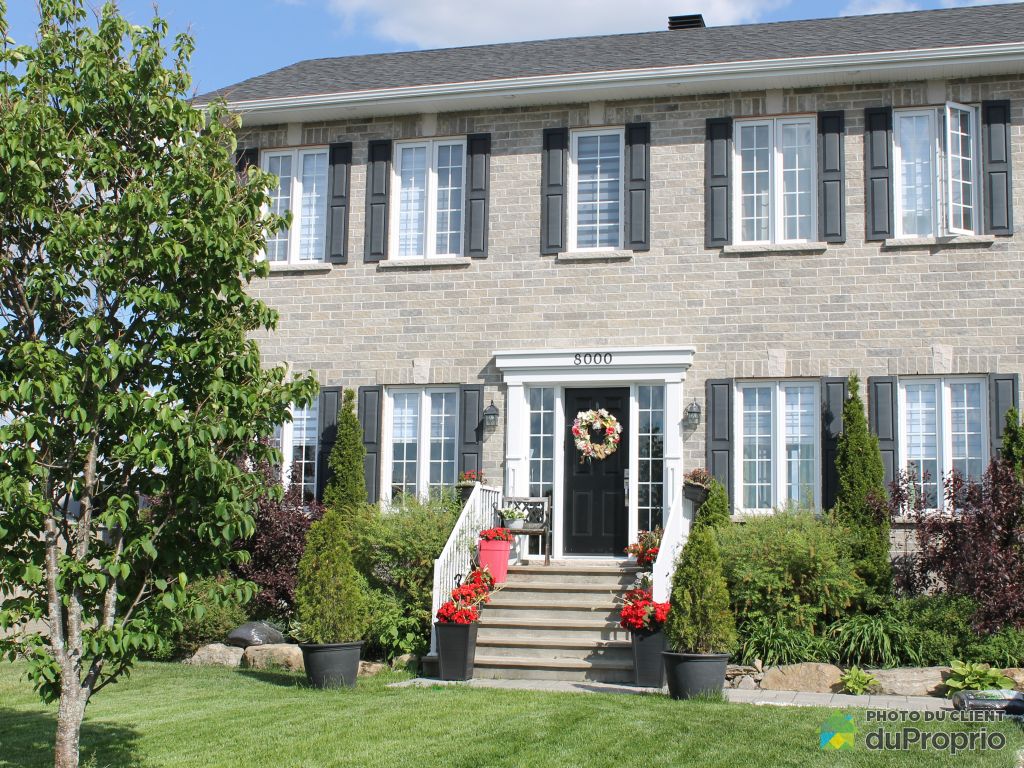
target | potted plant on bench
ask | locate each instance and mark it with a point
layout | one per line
(645, 620)
(331, 610)
(492, 551)
(700, 630)
(456, 625)
(514, 518)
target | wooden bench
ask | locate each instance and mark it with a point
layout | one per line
(537, 522)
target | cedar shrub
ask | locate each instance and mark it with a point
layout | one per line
(346, 490)
(714, 511)
(1013, 441)
(700, 620)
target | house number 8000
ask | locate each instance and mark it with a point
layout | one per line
(592, 358)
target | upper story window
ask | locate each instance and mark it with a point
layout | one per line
(775, 168)
(778, 429)
(298, 441)
(935, 154)
(430, 183)
(944, 429)
(595, 190)
(301, 189)
(423, 440)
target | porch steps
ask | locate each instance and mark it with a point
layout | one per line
(557, 622)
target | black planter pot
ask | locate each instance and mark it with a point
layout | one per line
(456, 650)
(331, 665)
(698, 494)
(647, 662)
(693, 674)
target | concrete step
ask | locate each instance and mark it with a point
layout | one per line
(547, 587)
(591, 630)
(514, 594)
(554, 611)
(575, 574)
(547, 650)
(526, 668)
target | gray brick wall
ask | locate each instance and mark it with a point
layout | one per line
(856, 307)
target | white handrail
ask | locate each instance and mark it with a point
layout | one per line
(456, 558)
(673, 538)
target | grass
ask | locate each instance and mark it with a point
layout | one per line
(173, 715)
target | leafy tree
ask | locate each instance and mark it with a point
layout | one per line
(130, 386)
(346, 491)
(1013, 441)
(861, 489)
(715, 509)
(700, 620)
(331, 602)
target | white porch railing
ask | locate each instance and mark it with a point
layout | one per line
(456, 558)
(676, 530)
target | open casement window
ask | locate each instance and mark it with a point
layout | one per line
(936, 162)
(301, 189)
(777, 430)
(299, 441)
(595, 190)
(944, 429)
(422, 441)
(775, 167)
(429, 181)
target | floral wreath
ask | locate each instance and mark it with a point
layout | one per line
(596, 420)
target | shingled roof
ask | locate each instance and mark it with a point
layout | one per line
(918, 30)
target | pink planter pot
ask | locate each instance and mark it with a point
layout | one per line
(494, 557)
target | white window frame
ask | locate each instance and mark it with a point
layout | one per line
(778, 475)
(573, 178)
(942, 204)
(776, 183)
(422, 437)
(295, 229)
(287, 448)
(430, 236)
(944, 422)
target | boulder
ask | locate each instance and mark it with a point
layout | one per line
(273, 656)
(1017, 675)
(409, 661)
(254, 633)
(811, 677)
(216, 654)
(370, 668)
(746, 683)
(911, 681)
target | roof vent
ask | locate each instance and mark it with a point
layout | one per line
(690, 21)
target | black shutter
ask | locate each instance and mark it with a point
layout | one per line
(1003, 394)
(638, 187)
(340, 164)
(330, 405)
(717, 182)
(243, 159)
(883, 417)
(718, 442)
(834, 391)
(878, 173)
(478, 170)
(997, 168)
(471, 427)
(378, 179)
(554, 190)
(369, 408)
(831, 183)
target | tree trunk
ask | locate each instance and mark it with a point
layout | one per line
(70, 714)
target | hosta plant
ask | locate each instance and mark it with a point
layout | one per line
(968, 676)
(858, 682)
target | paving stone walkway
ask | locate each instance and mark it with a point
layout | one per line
(765, 698)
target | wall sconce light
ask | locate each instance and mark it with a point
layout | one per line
(692, 418)
(491, 415)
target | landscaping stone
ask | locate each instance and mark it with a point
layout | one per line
(275, 655)
(216, 654)
(746, 683)
(811, 677)
(1017, 675)
(911, 681)
(254, 633)
(407, 661)
(370, 668)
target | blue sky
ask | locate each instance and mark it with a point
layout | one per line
(237, 39)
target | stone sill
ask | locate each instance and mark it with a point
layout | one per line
(922, 242)
(591, 256)
(755, 249)
(454, 261)
(313, 267)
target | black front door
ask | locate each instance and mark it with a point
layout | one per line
(595, 519)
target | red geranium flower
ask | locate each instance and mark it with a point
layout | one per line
(496, 534)
(640, 613)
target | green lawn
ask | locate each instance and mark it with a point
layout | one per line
(172, 715)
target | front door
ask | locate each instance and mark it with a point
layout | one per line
(596, 516)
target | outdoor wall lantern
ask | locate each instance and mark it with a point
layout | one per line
(491, 415)
(692, 418)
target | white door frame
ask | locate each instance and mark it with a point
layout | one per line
(607, 367)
